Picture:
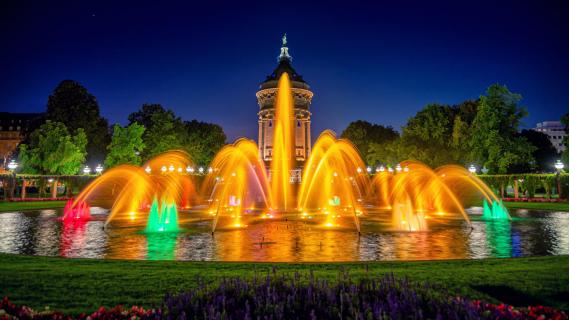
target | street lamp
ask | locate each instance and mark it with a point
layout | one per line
(171, 168)
(406, 169)
(359, 170)
(472, 169)
(559, 165)
(189, 169)
(148, 169)
(12, 165)
(398, 168)
(210, 170)
(163, 169)
(381, 168)
(201, 169)
(368, 169)
(86, 170)
(485, 170)
(99, 169)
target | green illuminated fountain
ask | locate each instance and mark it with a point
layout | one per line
(496, 211)
(163, 218)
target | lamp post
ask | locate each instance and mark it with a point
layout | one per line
(12, 165)
(148, 169)
(558, 166)
(99, 169)
(86, 170)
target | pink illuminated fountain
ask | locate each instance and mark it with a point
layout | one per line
(79, 211)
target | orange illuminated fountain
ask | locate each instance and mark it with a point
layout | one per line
(332, 180)
(149, 195)
(416, 193)
(283, 147)
(238, 182)
(239, 189)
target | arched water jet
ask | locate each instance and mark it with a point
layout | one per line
(128, 191)
(239, 180)
(331, 179)
(462, 180)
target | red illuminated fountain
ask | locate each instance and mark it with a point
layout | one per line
(79, 211)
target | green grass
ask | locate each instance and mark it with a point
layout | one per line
(550, 206)
(6, 206)
(82, 285)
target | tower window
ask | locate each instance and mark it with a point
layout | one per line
(270, 124)
(298, 124)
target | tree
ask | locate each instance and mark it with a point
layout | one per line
(53, 150)
(165, 131)
(203, 140)
(428, 135)
(544, 154)
(126, 145)
(389, 152)
(362, 133)
(495, 143)
(71, 104)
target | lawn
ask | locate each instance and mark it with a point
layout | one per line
(81, 285)
(549, 206)
(6, 206)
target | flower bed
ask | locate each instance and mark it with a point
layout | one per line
(304, 297)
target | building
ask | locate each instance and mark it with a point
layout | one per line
(555, 131)
(13, 128)
(302, 99)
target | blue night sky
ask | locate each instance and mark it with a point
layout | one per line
(380, 61)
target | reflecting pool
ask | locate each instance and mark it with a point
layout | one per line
(43, 232)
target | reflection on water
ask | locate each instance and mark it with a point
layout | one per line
(42, 233)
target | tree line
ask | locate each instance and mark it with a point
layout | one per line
(484, 132)
(75, 133)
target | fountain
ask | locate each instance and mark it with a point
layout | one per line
(162, 218)
(76, 211)
(240, 189)
(496, 211)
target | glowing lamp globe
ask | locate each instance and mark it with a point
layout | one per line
(368, 169)
(189, 169)
(99, 169)
(171, 168)
(148, 169)
(86, 170)
(398, 168)
(201, 169)
(472, 169)
(559, 165)
(12, 165)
